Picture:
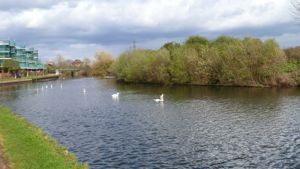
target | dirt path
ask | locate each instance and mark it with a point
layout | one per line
(3, 162)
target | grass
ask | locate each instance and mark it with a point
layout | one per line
(43, 76)
(14, 79)
(28, 147)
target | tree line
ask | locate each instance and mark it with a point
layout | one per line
(225, 61)
(86, 67)
(222, 61)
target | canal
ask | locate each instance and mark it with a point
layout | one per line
(195, 127)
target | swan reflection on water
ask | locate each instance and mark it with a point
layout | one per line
(115, 96)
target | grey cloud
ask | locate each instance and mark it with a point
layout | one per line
(263, 31)
(57, 33)
(11, 5)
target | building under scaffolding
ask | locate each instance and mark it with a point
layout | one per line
(28, 58)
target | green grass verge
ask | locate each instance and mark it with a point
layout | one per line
(8, 80)
(44, 76)
(28, 147)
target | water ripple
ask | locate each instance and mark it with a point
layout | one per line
(197, 127)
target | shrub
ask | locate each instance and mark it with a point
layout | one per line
(223, 61)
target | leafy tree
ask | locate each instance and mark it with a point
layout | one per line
(196, 40)
(102, 64)
(85, 68)
(158, 70)
(275, 59)
(178, 66)
(224, 61)
(50, 69)
(11, 65)
(293, 53)
(235, 70)
(140, 61)
(200, 66)
(170, 46)
(222, 41)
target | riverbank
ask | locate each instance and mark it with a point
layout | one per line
(26, 146)
(121, 81)
(28, 79)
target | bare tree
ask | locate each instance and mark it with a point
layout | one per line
(59, 60)
(102, 64)
(296, 9)
(87, 61)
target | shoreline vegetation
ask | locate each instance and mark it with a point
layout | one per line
(26, 146)
(224, 61)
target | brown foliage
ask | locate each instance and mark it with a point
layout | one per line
(101, 67)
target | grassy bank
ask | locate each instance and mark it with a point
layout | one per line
(25, 79)
(6, 80)
(28, 147)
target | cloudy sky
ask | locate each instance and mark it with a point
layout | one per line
(78, 29)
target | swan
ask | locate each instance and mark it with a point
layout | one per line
(161, 98)
(51, 86)
(61, 86)
(84, 91)
(115, 96)
(46, 87)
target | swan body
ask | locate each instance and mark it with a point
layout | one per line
(115, 96)
(161, 98)
(156, 100)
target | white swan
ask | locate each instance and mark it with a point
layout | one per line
(51, 86)
(115, 96)
(84, 91)
(61, 86)
(161, 98)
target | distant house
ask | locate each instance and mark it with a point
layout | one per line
(50, 64)
(77, 63)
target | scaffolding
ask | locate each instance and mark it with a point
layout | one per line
(28, 58)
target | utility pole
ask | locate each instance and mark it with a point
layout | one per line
(134, 45)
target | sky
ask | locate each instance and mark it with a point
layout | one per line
(78, 29)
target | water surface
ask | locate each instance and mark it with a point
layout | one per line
(196, 127)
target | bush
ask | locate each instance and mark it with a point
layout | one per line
(223, 61)
(101, 65)
(11, 65)
(196, 40)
